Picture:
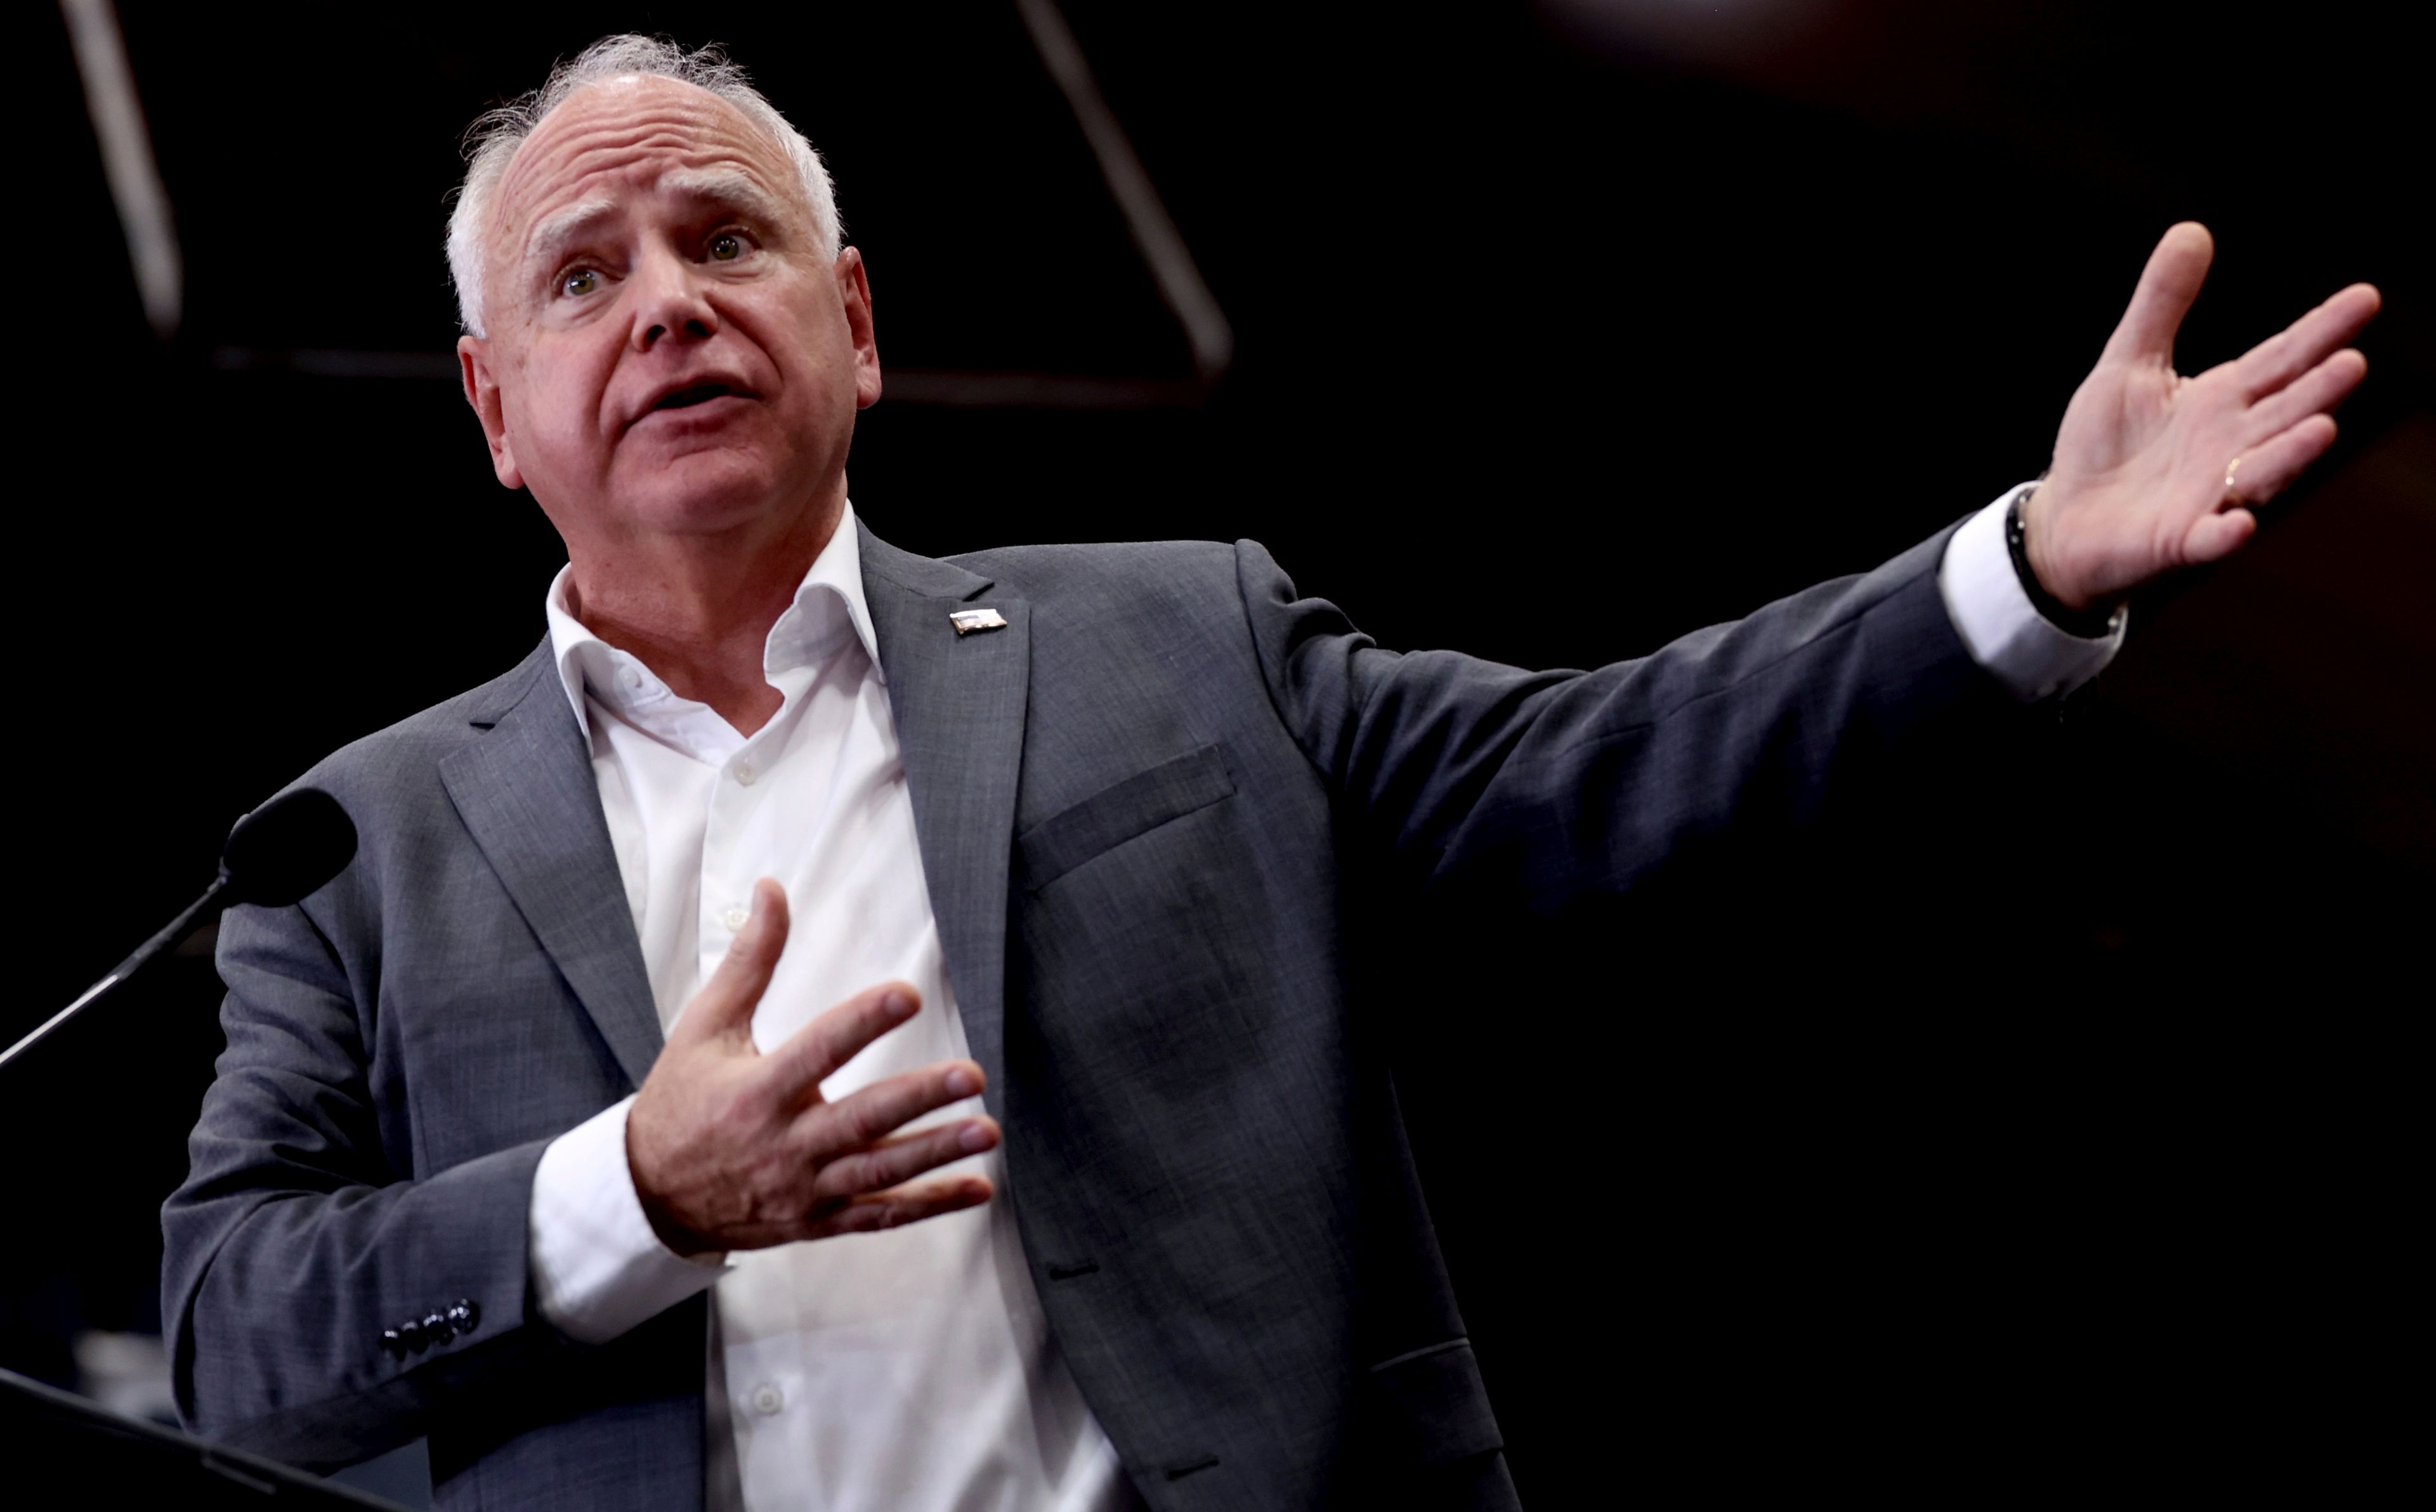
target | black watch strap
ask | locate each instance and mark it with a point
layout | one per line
(2089, 624)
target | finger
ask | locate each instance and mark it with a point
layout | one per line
(2219, 535)
(905, 1156)
(809, 1055)
(726, 1003)
(885, 1106)
(899, 1206)
(2269, 467)
(2315, 391)
(2167, 287)
(2303, 344)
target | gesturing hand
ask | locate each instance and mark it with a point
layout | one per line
(2139, 486)
(732, 1149)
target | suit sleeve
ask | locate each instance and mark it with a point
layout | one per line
(294, 1242)
(1547, 786)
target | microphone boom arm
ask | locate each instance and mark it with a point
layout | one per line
(215, 898)
(277, 854)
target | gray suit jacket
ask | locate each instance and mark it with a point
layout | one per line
(1138, 806)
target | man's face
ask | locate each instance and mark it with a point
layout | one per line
(668, 352)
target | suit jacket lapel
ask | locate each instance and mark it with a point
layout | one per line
(527, 793)
(958, 701)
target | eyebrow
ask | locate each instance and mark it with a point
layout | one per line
(568, 225)
(725, 186)
(719, 186)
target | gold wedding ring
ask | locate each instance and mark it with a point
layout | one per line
(2229, 469)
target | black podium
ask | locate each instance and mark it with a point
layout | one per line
(61, 1450)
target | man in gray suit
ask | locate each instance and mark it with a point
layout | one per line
(535, 1132)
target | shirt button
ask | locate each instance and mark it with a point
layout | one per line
(628, 679)
(736, 918)
(744, 773)
(768, 1400)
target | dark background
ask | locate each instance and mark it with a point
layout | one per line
(2042, 1115)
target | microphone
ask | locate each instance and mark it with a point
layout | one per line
(274, 856)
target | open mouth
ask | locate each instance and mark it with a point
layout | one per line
(701, 393)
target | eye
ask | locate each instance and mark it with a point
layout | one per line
(580, 283)
(726, 247)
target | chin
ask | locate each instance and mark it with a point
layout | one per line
(709, 493)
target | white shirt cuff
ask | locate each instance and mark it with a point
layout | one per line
(2005, 631)
(597, 1268)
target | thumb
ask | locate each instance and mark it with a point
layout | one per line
(2168, 287)
(723, 1008)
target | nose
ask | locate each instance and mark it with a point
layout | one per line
(670, 301)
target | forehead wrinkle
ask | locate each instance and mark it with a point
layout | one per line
(577, 151)
(656, 112)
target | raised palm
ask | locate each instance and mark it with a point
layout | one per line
(2139, 486)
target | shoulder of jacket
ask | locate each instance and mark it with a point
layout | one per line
(422, 740)
(1118, 565)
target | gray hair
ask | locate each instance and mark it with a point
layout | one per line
(492, 140)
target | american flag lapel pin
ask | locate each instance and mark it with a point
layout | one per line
(968, 620)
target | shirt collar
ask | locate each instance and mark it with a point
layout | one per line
(811, 629)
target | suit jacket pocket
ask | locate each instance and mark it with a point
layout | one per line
(1119, 812)
(1435, 1401)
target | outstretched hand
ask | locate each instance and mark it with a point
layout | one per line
(2138, 486)
(732, 1149)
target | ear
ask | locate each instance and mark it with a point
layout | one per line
(854, 289)
(482, 393)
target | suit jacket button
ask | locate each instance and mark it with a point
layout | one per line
(394, 1343)
(436, 1329)
(412, 1334)
(464, 1316)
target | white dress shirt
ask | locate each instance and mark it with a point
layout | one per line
(907, 1368)
(912, 1367)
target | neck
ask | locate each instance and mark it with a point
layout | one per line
(697, 609)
